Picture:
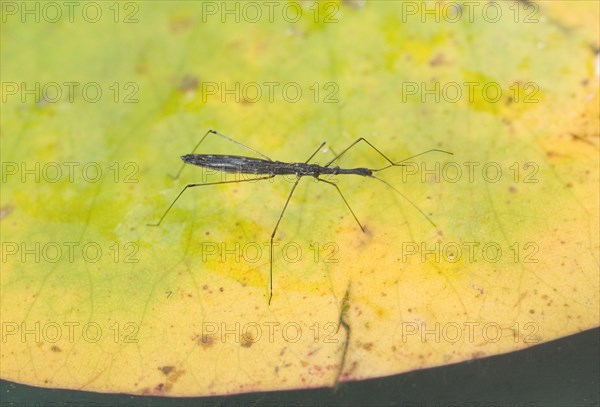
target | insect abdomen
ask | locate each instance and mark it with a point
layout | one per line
(229, 163)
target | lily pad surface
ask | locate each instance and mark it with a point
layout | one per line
(486, 251)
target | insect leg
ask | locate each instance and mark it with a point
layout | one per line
(344, 199)
(392, 164)
(408, 200)
(315, 153)
(201, 185)
(273, 235)
(334, 154)
(226, 138)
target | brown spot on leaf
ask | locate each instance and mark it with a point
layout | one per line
(247, 340)
(205, 341)
(55, 349)
(5, 211)
(166, 369)
(180, 24)
(347, 373)
(172, 375)
(438, 60)
(189, 83)
(583, 139)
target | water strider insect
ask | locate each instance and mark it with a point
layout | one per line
(269, 169)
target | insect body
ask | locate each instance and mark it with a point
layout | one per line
(248, 165)
(265, 168)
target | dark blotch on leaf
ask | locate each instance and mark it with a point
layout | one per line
(189, 83)
(247, 341)
(166, 369)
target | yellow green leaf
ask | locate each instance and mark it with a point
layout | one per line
(99, 102)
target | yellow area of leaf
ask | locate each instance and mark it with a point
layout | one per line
(94, 299)
(580, 17)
